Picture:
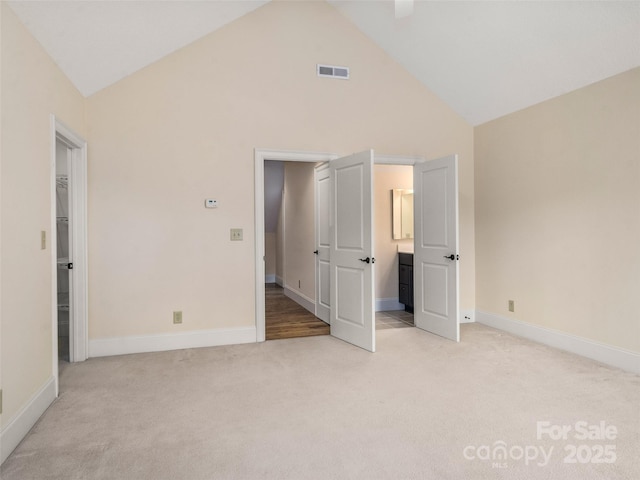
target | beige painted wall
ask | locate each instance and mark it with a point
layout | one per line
(558, 213)
(32, 89)
(270, 251)
(184, 129)
(386, 178)
(299, 243)
(280, 245)
(273, 187)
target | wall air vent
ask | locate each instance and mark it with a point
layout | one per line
(333, 71)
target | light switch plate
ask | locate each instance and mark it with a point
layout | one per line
(236, 234)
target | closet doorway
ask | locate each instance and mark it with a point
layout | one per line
(69, 246)
(64, 249)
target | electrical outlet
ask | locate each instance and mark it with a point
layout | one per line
(177, 317)
(43, 240)
(236, 234)
(512, 307)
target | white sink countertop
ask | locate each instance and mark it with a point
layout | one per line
(405, 248)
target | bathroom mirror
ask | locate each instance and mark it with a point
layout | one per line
(402, 205)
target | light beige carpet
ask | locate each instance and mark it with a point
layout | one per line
(316, 408)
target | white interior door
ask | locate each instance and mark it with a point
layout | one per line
(323, 241)
(435, 264)
(351, 253)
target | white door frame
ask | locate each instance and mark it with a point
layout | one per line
(79, 341)
(260, 155)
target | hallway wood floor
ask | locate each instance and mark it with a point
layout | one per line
(284, 318)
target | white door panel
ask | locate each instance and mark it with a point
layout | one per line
(351, 251)
(436, 300)
(350, 286)
(435, 291)
(349, 217)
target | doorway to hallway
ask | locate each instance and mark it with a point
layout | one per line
(285, 318)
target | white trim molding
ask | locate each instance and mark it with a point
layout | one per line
(79, 318)
(301, 299)
(607, 354)
(26, 418)
(104, 347)
(396, 159)
(388, 305)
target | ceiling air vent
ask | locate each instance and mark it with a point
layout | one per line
(333, 71)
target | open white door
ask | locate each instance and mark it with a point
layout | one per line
(351, 252)
(323, 241)
(435, 263)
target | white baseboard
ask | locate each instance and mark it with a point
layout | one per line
(382, 304)
(301, 299)
(607, 354)
(388, 304)
(467, 316)
(26, 418)
(279, 281)
(270, 278)
(104, 347)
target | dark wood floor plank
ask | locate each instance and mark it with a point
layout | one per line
(284, 318)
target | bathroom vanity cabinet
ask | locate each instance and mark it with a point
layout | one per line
(405, 288)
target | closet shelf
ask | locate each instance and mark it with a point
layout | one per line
(63, 262)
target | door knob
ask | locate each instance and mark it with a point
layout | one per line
(316, 252)
(452, 257)
(365, 260)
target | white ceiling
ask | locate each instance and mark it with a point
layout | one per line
(484, 59)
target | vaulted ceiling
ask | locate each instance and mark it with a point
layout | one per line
(484, 59)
